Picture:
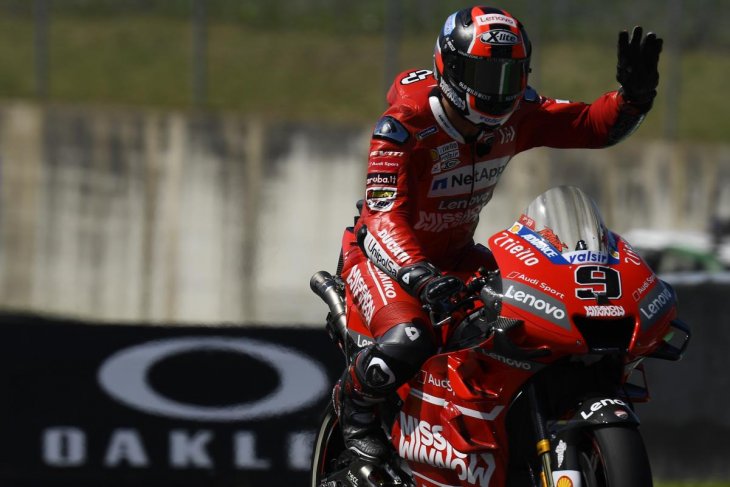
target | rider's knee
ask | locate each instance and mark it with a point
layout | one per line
(394, 358)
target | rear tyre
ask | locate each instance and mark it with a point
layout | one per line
(614, 457)
(327, 446)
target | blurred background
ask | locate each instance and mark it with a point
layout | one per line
(195, 161)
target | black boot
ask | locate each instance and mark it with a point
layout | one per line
(360, 425)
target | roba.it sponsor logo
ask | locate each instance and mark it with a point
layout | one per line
(382, 178)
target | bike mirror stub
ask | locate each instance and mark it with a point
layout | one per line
(492, 301)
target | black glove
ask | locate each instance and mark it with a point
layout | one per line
(637, 67)
(424, 281)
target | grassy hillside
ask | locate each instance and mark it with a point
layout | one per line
(306, 73)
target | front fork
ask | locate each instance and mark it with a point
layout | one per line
(559, 457)
(544, 449)
(566, 459)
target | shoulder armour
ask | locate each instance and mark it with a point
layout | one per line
(414, 76)
(531, 95)
(388, 128)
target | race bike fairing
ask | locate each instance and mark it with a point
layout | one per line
(567, 219)
(545, 352)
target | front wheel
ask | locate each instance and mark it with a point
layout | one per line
(614, 457)
(327, 446)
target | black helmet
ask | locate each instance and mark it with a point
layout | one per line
(481, 61)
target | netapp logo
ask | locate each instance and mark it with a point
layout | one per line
(469, 179)
(302, 381)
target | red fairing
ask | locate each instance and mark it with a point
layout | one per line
(530, 276)
(425, 186)
(452, 426)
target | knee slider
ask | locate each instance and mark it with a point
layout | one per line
(408, 343)
(395, 357)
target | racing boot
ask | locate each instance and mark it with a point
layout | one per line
(359, 423)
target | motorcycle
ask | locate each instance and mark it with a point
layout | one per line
(539, 369)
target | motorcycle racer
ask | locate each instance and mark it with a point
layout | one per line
(435, 158)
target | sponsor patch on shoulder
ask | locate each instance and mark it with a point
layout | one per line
(388, 128)
(427, 132)
(381, 198)
(382, 178)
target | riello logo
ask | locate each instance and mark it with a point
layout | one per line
(124, 377)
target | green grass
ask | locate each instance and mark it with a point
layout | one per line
(136, 60)
(692, 484)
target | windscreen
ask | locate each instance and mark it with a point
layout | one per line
(569, 220)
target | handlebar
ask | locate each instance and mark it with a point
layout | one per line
(487, 288)
(484, 288)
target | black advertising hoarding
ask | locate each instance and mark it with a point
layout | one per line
(115, 405)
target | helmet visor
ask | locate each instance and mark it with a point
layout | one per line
(496, 83)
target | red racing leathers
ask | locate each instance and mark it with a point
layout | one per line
(424, 190)
(426, 185)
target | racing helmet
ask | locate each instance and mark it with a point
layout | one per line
(481, 62)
